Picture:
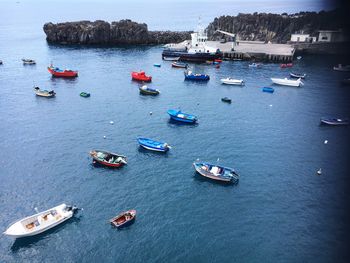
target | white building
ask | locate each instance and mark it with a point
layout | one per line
(300, 37)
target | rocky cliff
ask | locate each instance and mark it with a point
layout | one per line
(277, 28)
(104, 33)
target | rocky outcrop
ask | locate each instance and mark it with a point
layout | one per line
(277, 28)
(104, 33)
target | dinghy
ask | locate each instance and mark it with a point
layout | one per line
(44, 93)
(66, 73)
(153, 145)
(216, 172)
(84, 94)
(287, 82)
(28, 61)
(268, 89)
(297, 75)
(231, 81)
(108, 159)
(140, 76)
(189, 75)
(157, 65)
(148, 91)
(340, 67)
(179, 65)
(288, 65)
(254, 65)
(40, 222)
(171, 58)
(334, 121)
(226, 99)
(123, 219)
(177, 115)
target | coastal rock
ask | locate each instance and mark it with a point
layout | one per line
(117, 33)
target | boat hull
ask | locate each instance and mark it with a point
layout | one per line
(199, 170)
(103, 162)
(153, 145)
(191, 57)
(63, 74)
(334, 122)
(286, 82)
(120, 222)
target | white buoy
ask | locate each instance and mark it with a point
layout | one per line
(104, 137)
(319, 172)
(150, 113)
(270, 105)
(325, 141)
(111, 122)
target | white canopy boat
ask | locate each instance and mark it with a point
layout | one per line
(39, 223)
(231, 81)
(287, 82)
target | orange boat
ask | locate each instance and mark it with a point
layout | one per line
(67, 73)
(141, 76)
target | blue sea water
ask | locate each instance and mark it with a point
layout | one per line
(280, 211)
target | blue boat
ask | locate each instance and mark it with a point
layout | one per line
(177, 115)
(216, 172)
(153, 145)
(157, 65)
(189, 75)
(268, 89)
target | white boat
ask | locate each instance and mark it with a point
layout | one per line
(28, 61)
(254, 65)
(340, 67)
(171, 58)
(39, 223)
(231, 81)
(288, 82)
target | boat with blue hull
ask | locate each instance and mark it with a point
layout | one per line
(189, 75)
(334, 121)
(268, 89)
(216, 172)
(152, 145)
(177, 115)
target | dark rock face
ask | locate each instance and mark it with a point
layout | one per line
(116, 33)
(277, 28)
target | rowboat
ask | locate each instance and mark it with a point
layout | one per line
(84, 94)
(268, 89)
(123, 219)
(216, 172)
(171, 58)
(254, 65)
(157, 65)
(189, 75)
(141, 76)
(148, 91)
(231, 81)
(44, 93)
(297, 75)
(179, 65)
(108, 159)
(153, 145)
(334, 121)
(340, 67)
(177, 115)
(287, 82)
(28, 61)
(226, 99)
(67, 73)
(40, 222)
(287, 65)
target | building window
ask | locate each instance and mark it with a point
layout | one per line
(324, 38)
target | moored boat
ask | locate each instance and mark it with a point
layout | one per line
(179, 65)
(66, 73)
(157, 65)
(255, 65)
(108, 159)
(231, 81)
(216, 172)
(268, 89)
(287, 65)
(189, 75)
(141, 76)
(287, 82)
(44, 93)
(170, 58)
(177, 115)
(334, 121)
(148, 91)
(0, 62)
(40, 222)
(123, 219)
(84, 94)
(153, 145)
(226, 99)
(28, 61)
(340, 67)
(297, 75)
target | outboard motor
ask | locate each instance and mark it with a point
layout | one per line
(72, 208)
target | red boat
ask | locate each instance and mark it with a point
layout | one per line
(67, 73)
(123, 219)
(288, 65)
(218, 60)
(108, 159)
(141, 76)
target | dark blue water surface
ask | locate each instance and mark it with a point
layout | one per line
(280, 211)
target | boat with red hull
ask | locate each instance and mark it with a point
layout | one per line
(67, 73)
(141, 76)
(108, 159)
(123, 219)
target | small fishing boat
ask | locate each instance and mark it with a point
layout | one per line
(148, 91)
(297, 75)
(28, 61)
(226, 99)
(346, 82)
(171, 58)
(287, 82)
(153, 145)
(340, 67)
(231, 81)
(141, 76)
(254, 65)
(189, 75)
(84, 94)
(157, 65)
(108, 159)
(0, 62)
(268, 89)
(179, 65)
(67, 73)
(334, 121)
(44, 93)
(216, 172)
(123, 219)
(299, 57)
(41, 222)
(177, 115)
(287, 65)
(218, 60)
